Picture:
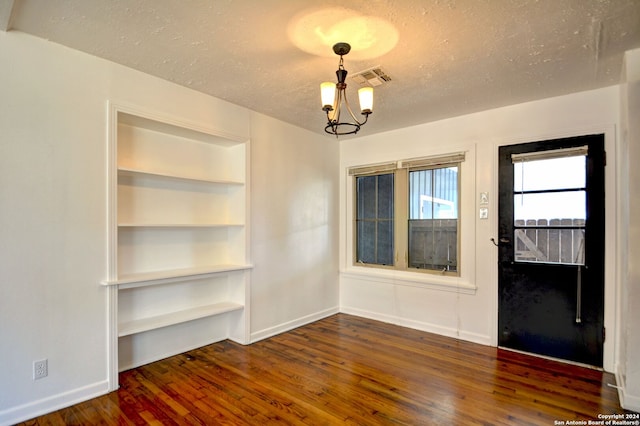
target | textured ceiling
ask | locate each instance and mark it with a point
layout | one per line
(445, 57)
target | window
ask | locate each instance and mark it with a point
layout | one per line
(406, 214)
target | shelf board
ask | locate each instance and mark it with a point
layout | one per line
(152, 323)
(173, 275)
(173, 126)
(129, 171)
(179, 225)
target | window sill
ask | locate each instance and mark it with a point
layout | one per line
(411, 279)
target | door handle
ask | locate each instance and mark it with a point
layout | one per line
(502, 240)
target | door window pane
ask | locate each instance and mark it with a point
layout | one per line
(546, 245)
(556, 173)
(550, 205)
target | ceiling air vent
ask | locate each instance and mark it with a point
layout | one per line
(371, 77)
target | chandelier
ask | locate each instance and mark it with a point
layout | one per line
(333, 95)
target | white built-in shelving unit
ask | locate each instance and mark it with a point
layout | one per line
(178, 234)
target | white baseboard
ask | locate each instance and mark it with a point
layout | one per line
(290, 325)
(419, 325)
(167, 354)
(37, 408)
(628, 402)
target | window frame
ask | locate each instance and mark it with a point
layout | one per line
(401, 170)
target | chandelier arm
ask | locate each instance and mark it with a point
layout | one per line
(330, 114)
(329, 121)
(346, 102)
(366, 118)
(336, 110)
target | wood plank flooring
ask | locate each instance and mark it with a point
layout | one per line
(349, 370)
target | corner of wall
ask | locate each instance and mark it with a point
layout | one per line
(627, 371)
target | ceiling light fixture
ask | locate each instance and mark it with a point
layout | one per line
(333, 95)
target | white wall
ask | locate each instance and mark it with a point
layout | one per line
(447, 305)
(294, 223)
(53, 215)
(628, 372)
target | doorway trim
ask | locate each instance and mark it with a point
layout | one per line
(611, 244)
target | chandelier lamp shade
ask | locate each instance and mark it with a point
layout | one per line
(335, 102)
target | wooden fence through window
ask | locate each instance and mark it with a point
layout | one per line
(433, 244)
(550, 245)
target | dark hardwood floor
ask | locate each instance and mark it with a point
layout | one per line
(349, 370)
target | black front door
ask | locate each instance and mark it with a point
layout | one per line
(551, 248)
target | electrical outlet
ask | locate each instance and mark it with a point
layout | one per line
(40, 369)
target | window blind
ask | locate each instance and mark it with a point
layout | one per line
(371, 169)
(433, 161)
(548, 155)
